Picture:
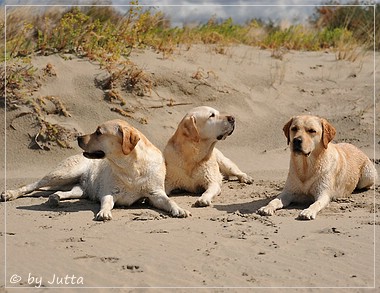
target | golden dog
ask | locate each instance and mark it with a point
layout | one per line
(192, 161)
(118, 167)
(319, 170)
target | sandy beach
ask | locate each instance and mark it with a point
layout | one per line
(225, 246)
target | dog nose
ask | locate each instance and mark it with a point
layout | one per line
(80, 140)
(231, 119)
(297, 141)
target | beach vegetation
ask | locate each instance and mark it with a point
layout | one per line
(101, 32)
(108, 36)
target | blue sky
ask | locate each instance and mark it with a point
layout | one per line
(186, 11)
(240, 12)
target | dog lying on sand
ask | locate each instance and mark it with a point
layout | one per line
(319, 170)
(193, 163)
(119, 166)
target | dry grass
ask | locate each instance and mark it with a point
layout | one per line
(107, 36)
(22, 80)
(101, 33)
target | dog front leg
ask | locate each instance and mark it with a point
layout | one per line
(281, 201)
(160, 200)
(106, 205)
(16, 193)
(205, 199)
(229, 168)
(311, 212)
(68, 172)
(74, 193)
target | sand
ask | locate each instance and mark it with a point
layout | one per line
(225, 246)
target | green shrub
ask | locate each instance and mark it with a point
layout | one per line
(356, 17)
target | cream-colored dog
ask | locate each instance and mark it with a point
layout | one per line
(118, 167)
(319, 170)
(192, 162)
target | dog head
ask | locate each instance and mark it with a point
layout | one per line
(306, 133)
(206, 124)
(111, 138)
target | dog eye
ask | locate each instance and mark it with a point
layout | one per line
(212, 115)
(312, 131)
(294, 128)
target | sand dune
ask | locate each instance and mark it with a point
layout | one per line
(227, 244)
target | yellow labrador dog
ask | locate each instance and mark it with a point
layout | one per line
(118, 167)
(319, 170)
(192, 161)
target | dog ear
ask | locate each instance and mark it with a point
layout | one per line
(130, 139)
(328, 132)
(190, 129)
(286, 129)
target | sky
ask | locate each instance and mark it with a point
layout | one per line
(182, 12)
(239, 10)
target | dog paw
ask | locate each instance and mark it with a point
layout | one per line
(53, 200)
(246, 179)
(8, 195)
(180, 213)
(266, 211)
(307, 214)
(104, 215)
(201, 202)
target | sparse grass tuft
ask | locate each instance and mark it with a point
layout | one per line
(51, 134)
(22, 80)
(19, 83)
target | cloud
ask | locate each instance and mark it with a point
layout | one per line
(183, 12)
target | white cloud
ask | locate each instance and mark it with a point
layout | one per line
(181, 12)
(196, 11)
